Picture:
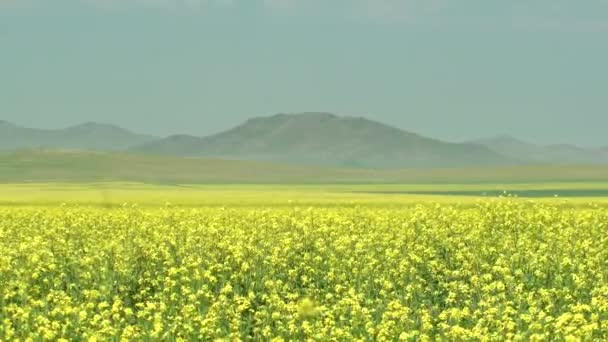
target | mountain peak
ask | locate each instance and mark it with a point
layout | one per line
(280, 117)
(92, 125)
(323, 138)
(312, 119)
(319, 115)
(89, 135)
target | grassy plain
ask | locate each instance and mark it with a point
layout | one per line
(84, 166)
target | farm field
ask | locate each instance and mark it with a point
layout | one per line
(113, 194)
(290, 170)
(130, 261)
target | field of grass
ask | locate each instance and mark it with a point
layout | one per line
(82, 166)
(133, 261)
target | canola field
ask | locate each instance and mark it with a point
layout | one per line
(353, 269)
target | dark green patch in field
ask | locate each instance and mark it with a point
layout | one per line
(529, 193)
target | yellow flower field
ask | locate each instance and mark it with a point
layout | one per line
(494, 270)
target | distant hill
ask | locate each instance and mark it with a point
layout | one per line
(87, 136)
(320, 139)
(552, 154)
(326, 139)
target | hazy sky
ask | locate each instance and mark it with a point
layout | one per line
(451, 69)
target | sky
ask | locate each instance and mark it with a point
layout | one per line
(449, 69)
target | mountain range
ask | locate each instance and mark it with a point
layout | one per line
(326, 139)
(307, 138)
(545, 154)
(87, 136)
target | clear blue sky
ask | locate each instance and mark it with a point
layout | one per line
(445, 68)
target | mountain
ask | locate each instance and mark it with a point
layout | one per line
(321, 139)
(88, 136)
(552, 154)
(326, 139)
(511, 146)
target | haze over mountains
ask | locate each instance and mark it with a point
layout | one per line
(326, 139)
(87, 136)
(310, 139)
(543, 154)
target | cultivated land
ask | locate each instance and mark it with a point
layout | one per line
(132, 261)
(117, 194)
(107, 246)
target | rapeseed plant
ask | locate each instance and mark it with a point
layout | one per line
(499, 270)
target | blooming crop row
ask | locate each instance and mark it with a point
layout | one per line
(497, 270)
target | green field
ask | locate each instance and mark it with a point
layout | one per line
(39, 177)
(81, 166)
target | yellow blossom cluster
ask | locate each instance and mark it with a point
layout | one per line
(496, 270)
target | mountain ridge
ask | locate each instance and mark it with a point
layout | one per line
(87, 136)
(311, 138)
(552, 153)
(325, 139)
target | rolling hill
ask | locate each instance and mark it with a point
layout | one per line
(544, 154)
(320, 139)
(87, 136)
(326, 139)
